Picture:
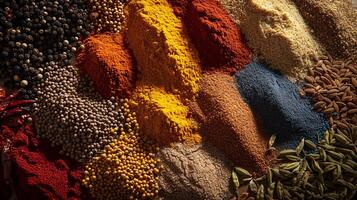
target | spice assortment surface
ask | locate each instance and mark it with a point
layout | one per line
(178, 99)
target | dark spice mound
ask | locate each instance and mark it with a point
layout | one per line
(34, 33)
(278, 105)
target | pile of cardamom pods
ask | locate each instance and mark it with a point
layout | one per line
(332, 85)
(326, 170)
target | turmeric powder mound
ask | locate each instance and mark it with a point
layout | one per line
(164, 54)
(163, 117)
(109, 64)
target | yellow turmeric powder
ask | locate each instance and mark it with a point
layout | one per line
(165, 56)
(162, 116)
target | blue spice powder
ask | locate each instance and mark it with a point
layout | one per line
(278, 106)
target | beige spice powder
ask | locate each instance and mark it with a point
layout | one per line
(277, 33)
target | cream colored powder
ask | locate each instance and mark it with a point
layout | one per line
(277, 33)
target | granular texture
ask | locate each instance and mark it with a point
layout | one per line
(230, 124)
(40, 172)
(109, 64)
(277, 104)
(332, 85)
(194, 172)
(70, 113)
(125, 169)
(164, 54)
(234, 8)
(277, 32)
(163, 117)
(107, 15)
(216, 37)
(333, 22)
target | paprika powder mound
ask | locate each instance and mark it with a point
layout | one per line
(218, 40)
(109, 64)
(40, 172)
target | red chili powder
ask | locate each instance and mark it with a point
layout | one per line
(218, 40)
(38, 171)
(109, 63)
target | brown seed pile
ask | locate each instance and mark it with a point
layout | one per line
(126, 169)
(328, 173)
(337, 33)
(332, 84)
(107, 15)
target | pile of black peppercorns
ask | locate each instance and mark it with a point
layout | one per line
(35, 32)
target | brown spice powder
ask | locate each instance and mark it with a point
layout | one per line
(229, 123)
(337, 33)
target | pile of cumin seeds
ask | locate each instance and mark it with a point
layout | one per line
(332, 85)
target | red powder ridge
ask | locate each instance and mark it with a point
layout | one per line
(39, 172)
(215, 35)
(109, 64)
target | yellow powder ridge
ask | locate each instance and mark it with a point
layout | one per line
(165, 56)
(162, 116)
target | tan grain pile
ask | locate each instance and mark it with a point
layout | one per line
(334, 23)
(277, 32)
(194, 172)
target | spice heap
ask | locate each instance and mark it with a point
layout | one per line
(214, 34)
(70, 113)
(277, 32)
(168, 67)
(332, 84)
(109, 64)
(328, 173)
(40, 172)
(107, 15)
(277, 104)
(164, 117)
(164, 54)
(126, 169)
(34, 32)
(230, 124)
(204, 172)
(337, 33)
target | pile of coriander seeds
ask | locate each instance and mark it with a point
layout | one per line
(70, 113)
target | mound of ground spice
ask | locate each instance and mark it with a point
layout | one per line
(337, 33)
(39, 172)
(109, 63)
(230, 124)
(163, 117)
(277, 104)
(194, 172)
(277, 32)
(215, 35)
(164, 54)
